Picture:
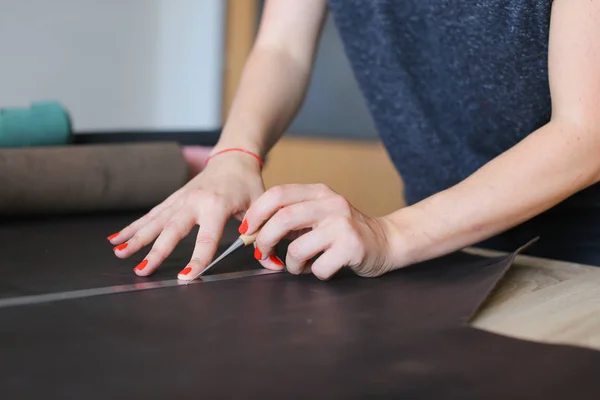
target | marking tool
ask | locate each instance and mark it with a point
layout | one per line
(242, 241)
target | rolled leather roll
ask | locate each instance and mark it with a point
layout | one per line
(88, 178)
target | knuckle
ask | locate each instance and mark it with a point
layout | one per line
(206, 238)
(139, 240)
(135, 241)
(294, 251)
(175, 205)
(195, 197)
(130, 229)
(263, 243)
(276, 192)
(173, 227)
(157, 253)
(357, 244)
(323, 189)
(197, 261)
(211, 199)
(214, 202)
(206, 201)
(355, 241)
(284, 217)
(344, 223)
(154, 212)
(340, 203)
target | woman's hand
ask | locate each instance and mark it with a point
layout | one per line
(344, 236)
(225, 188)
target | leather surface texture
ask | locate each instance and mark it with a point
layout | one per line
(403, 335)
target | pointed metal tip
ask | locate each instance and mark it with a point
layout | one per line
(236, 245)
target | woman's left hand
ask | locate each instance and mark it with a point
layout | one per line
(327, 224)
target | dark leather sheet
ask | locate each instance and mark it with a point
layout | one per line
(404, 335)
(62, 254)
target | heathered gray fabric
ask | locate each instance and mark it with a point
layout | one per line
(450, 83)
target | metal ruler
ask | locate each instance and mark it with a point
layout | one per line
(134, 287)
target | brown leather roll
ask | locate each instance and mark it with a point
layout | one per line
(88, 178)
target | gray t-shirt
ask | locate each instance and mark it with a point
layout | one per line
(450, 84)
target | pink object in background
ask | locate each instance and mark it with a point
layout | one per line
(195, 157)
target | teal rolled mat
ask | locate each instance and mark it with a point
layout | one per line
(42, 124)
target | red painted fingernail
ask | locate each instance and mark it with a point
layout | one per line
(114, 235)
(141, 265)
(257, 254)
(243, 227)
(186, 271)
(121, 246)
(275, 260)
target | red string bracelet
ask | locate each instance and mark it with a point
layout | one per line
(260, 161)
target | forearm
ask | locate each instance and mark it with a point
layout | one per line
(270, 93)
(550, 165)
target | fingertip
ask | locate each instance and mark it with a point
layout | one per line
(277, 261)
(273, 263)
(323, 278)
(141, 270)
(112, 237)
(119, 250)
(185, 274)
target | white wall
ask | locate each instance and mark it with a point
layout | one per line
(116, 64)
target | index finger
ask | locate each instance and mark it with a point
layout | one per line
(278, 197)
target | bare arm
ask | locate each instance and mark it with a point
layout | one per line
(270, 92)
(551, 164)
(276, 75)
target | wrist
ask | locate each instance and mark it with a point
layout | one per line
(245, 137)
(408, 242)
(248, 145)
(242, 150)
(237, 157)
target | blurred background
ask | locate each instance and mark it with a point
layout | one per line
(174, 65)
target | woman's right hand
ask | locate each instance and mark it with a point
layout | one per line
(225, 188)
